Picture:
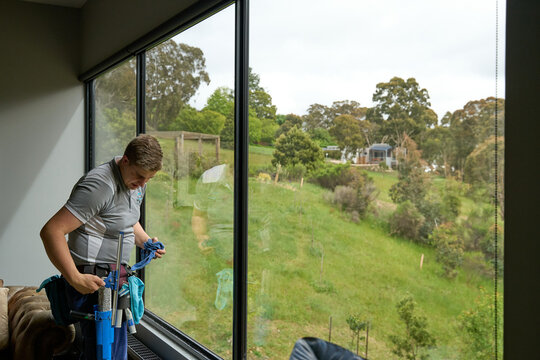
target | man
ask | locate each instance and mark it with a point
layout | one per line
(103, 203)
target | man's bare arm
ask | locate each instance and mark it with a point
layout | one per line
(53, 237)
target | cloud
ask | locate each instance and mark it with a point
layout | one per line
(318, 52)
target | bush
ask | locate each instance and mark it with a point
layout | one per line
(294, 172)
(431, 209)
(477, 325)
(255, 170)
(199, 164)
(345, 197)
(406, 221)
(357, 196)
(331, 175)
(417, 339)
(475, 263)
(366, 192)
(449, 246)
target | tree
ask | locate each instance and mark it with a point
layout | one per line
(417, 339)
(114, 130)
(295, 147)
(401, 107)
(268, 131)
(255, 127)
(478, 328)
(413, 183)
(472, 125)
(321, 116)
(291, 120)
(347, 132)
(449, 246)
(318, 116)
(406, 221)
(205, 121)
(356, 324)
(437, 148)
(115, 110)
(259, 100)
(222, 101)
(322, 137)
(479, 169)
(116, 88)
(174, 72)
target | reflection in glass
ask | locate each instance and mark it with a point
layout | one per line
(115, 111)
(189, 203)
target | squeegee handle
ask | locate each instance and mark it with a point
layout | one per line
(117, 275)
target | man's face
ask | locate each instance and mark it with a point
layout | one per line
(134, 176)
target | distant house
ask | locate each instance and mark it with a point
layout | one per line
(376, 154)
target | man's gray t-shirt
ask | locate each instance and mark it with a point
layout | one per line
(105, 206)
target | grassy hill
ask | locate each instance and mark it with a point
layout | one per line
(307, 262)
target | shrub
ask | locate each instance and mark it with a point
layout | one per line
(366, 192)
(345, 197)
(331, 175)
(255, 170)
(294, 172)
(449, 246)
(475, 263)
(477, 325)
(199, 164)
(412, 345)
(431, 209)
(357, 196)
(333, 154)
(406, 221)
(296, 147)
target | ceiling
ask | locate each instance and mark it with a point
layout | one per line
(65, 3)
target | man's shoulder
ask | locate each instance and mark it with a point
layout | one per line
(103, 170)
(102, 174)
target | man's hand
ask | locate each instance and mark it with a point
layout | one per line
(86, 283)
(159, 252)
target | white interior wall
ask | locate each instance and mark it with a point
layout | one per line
(41, 130)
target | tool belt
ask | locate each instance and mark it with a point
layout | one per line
(103, 270)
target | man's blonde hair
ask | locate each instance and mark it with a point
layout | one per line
(145, 151)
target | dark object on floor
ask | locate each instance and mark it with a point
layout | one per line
(310, 348)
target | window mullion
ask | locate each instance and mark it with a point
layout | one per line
(240, 181)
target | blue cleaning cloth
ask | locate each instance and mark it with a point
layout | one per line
(148, 253)
(136, 289)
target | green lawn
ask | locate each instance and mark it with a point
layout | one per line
(307, 262)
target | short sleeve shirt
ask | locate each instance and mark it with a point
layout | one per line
(106, 207)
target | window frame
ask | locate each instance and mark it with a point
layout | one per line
(153, 329)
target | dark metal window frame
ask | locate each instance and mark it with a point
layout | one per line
(190, 17)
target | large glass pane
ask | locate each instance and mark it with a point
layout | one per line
(372, 180)
(115, 107)
(189, 203)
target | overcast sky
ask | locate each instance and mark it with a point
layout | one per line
(314, 51)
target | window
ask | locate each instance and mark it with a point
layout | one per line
(371, 186)
(115, 109)
(343, 251)
(189, 203)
